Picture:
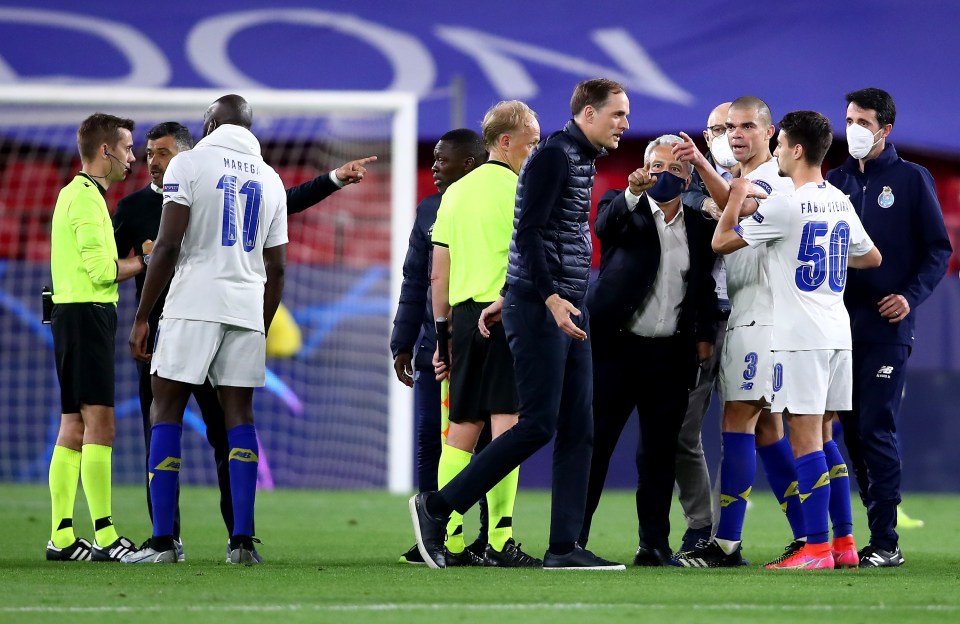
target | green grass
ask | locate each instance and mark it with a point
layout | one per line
(331, 557)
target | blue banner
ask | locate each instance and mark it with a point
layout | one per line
(677, 61)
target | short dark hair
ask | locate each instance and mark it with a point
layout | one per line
(467, 142)
(179, 132)
(594, 92)
(812, 131)
(99, 129)
(876, 100)
(753, 102)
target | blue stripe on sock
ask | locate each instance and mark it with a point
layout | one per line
(841, 514)
(165, 467)
(737, 471)
(815, 495)
(781, 472)
(244, 461)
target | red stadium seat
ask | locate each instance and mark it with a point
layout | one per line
(31, 186)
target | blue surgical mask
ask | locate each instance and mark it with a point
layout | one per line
(667, 187)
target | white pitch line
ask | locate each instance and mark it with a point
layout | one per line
(474, 607)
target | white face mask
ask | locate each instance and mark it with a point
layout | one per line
(860, 140)
(722, 154)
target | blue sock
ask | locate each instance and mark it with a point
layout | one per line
(164, 475)
(841, 513)
(781, 471)
(243, 476)
(737, 470)
(814, 484)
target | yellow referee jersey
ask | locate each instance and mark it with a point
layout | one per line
(83, 252)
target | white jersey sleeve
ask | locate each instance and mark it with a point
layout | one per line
(177, 181)
(860, 241)
(771, 222)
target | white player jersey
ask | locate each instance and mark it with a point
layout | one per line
(747, 285)
(238, 208)
(809, 236)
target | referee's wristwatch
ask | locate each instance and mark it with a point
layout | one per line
(145, 258)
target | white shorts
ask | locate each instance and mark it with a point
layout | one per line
(812, 382)
(191, 351)
(746, 363)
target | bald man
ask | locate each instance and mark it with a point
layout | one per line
(224, 230)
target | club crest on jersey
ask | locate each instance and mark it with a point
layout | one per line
(758, 217)
(764, 185)
(885, 199)
(171, 188)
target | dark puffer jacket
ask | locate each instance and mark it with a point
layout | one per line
(565, 235)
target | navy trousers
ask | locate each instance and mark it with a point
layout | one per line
(426, 407)
(870, 433)
(555, 385)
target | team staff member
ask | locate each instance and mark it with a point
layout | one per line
(547, 330)
(693, 477)
(86, 270)
(471, 240)
(653, 320)
(897, 203)
(414, 337)
(136, 224)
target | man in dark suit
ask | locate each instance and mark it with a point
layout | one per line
(652, 316)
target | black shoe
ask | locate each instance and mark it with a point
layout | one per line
(115, 551)
(708, 556)
(430, 531)
(510, 557)
(693, 537)
(478, 547)
(875, 557)
(651, 556)
(463, 559)
(79, 550)
(788, 552)
(579, 559)
(412, 557)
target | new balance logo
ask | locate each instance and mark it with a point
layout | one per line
(747, 385)
(884, 372)
(170, 463)
(242, 454)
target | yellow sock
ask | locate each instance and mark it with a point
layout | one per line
(500, 502)
(452, 461)
(64, 474)
(95, 470)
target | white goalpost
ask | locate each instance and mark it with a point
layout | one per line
(333, 414)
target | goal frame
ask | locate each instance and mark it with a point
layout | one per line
(403, 171)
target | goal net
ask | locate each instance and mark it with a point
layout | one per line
(332, 414)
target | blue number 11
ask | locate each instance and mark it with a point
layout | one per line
(253, 192)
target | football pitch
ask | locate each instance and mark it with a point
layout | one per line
(332, 557)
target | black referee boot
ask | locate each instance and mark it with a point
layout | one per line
(430, 530)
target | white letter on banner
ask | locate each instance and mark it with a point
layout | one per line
(207, 44)
(638, 72)
(148, 65)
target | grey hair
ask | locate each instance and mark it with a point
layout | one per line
(664, 139)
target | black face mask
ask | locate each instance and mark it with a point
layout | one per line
(667, 187)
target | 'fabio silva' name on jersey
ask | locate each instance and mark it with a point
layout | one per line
(816, 207)
(239, 165)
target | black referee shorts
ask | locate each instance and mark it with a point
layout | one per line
(482, 381)
(83, 343)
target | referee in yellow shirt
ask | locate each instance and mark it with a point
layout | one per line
(471, 239)
(85, 271)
